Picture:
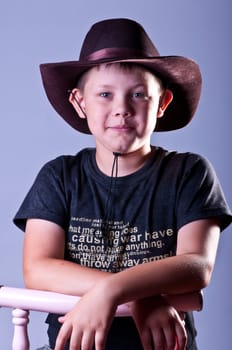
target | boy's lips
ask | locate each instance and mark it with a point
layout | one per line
(120, 127)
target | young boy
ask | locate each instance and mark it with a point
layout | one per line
(126, 222)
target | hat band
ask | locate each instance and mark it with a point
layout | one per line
(115, 53)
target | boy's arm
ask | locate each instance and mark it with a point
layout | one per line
(188, 271)
(44, 267)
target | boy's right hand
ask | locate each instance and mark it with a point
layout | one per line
(160, 326)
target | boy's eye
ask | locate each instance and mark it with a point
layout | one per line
(141, 95)
(105, 94)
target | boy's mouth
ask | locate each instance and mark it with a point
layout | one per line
(121, 127)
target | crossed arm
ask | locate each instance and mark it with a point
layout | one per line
(140, 286)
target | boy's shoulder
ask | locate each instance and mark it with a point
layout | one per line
(66, 165)
(183, 164)
(186, 157)
(70, 159)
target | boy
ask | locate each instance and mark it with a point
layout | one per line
(126, 222)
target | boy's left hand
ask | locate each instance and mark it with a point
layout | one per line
(88, 322)
(160, 326)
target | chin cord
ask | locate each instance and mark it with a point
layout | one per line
(109, 202)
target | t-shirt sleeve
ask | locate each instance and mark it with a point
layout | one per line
(47, 198)
(200, 195)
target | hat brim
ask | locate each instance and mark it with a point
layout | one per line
(181, 75)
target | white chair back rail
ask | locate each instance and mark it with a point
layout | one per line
(22, 300)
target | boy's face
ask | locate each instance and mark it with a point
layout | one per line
(121, 106)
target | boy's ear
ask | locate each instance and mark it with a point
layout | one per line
(76, 99)
(165, 100)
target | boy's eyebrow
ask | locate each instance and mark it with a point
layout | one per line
(105, 85)
(112, 86)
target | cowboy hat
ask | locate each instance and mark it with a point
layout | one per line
(124, 40)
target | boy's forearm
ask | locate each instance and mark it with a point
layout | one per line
(61, 276)
(186, 302)
(171, 276)
(72, 279)
(181, 302)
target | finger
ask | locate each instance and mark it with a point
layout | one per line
(87, 341)
(181, 336)
(182, 315)
(158, 339)
(61, 319)
(146, 339)
(100, 340)
(75, 340)
(62, 338)
(170, 337)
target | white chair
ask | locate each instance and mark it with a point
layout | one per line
(24, 300)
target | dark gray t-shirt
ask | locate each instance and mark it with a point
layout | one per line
(116, 223)
(135, 219)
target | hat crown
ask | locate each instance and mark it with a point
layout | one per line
(117, 38)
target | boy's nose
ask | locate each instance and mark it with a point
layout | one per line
(122, 108)
(122, 114)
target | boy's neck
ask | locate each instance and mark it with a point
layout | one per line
(127, 163)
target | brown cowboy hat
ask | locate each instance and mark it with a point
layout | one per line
(124, 40)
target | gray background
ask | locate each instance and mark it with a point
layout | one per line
(32, 32)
